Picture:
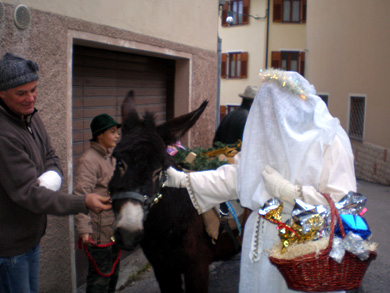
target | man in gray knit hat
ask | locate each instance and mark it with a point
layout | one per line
(30, 178)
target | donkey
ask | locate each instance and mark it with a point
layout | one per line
(161, 219)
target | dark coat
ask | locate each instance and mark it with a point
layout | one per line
(232, 125)
(26, 153)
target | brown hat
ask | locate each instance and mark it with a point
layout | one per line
(250, 92)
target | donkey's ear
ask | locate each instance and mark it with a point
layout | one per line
(172, 130)
(128, 105)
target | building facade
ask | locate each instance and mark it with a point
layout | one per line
(259, 34)
(347, 61)
(340, 47)
(90, 54)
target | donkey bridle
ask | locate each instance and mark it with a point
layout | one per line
(147, 201)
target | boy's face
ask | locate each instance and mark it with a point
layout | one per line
(109, 138)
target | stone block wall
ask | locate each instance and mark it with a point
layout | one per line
(372, 162)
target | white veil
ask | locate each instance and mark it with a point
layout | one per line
(287, 128)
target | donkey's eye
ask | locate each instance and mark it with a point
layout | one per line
(121, 164)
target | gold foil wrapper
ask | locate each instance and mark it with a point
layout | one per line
(309, 222)
(291, 231)
(275, 215)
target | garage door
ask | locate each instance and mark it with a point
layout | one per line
(102, 78)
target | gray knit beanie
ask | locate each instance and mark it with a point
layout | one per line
(16, 71)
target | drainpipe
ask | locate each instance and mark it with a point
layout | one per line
(221, 3)
(267, 38)
(219, 50)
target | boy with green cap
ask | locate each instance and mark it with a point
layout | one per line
(94, 171)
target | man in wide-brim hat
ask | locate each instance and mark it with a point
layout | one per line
(232, 125)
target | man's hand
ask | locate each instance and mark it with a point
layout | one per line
(97, 203)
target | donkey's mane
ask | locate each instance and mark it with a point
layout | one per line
(140, 136)
(133, 121)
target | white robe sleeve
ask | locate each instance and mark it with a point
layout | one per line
(337, 176)
(210, 188)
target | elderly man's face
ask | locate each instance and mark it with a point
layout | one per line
(21, 100)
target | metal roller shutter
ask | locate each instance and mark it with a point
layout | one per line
(102, 78)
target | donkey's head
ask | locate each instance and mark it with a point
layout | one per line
(141, 161)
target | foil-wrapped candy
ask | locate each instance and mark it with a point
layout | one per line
(355, 224)
(272, 205)
(291, 232)
(304, 226)
(338, 251)
(309, 216)
(352, 243)
(351, 204)
(350, 207)
(310, 222)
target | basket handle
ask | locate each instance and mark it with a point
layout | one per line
(333, 213)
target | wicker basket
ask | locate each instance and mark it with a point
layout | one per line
(319, 272)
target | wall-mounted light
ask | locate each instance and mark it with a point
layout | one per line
(232, 12)
(230, 17)
(1, 10)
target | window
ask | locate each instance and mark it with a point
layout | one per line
(234, 65)
(292, 11)
(224, 110)
(289, 60)
(324, 98)
(231, 108)
(238, 9)
(356, 117)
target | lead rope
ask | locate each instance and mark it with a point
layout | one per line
(94, 262)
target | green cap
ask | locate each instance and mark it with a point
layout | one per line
(101, 123)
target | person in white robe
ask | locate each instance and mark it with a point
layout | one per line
(292, 149)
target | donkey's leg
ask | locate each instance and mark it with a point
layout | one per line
(196, 276)
(168, 279)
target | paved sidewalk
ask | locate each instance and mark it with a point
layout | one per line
(377, 278)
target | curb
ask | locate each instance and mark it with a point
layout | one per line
(131, 267)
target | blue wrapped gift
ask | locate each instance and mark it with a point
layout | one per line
(354, 223)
